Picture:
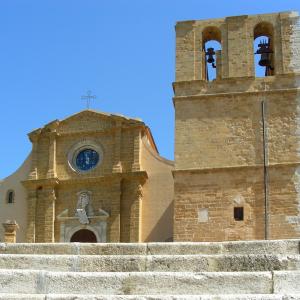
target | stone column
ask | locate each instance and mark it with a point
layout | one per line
(136, 150)
(31, 216)
(117, 167)
(49, 204)
(33, 171)
(135, 214)
(10, 231)
(52, 155)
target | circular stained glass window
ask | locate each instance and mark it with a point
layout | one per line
(87, 159)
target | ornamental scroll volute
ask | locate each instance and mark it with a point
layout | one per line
(139, 191)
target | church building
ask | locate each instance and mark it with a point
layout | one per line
(96, 177)
(92, 177)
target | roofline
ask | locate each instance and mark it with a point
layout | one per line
(151, 139)
(90, 110)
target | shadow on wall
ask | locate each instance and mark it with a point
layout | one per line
(166, 221)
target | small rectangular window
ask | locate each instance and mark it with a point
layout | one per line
(238, 213)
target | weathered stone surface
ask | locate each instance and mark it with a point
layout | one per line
(156, 263)
(20, 282)
(241, 270)
(220, 148)
(23, 297)
(239, 247)
(286, 281)
(75, 248)
(283, 247)
(141, 283)
(148, 297)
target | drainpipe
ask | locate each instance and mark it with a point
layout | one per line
(265, 160)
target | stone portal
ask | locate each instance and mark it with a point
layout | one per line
(84, 236)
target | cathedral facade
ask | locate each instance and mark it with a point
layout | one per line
(92, 177)
(99, 178)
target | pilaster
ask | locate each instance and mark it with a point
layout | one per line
(199, 56)
(34, 137)
(238, 43)
(135, 214)
(136, 150)
(49, 205)
(114, 220)
(52, 155)
(117, 167)
(31, 212)
(185, 51)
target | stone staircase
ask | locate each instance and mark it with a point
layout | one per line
(167, 271)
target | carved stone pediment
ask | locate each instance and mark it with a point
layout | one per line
(86, 121)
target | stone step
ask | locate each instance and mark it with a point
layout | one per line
(239, 247)
(149, 283)
(152, 263)
(150, 297)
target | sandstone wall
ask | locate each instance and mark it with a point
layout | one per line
(17, 210)
(158, 193)
(237, 137)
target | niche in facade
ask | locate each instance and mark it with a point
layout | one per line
(211, 53)
(10, 197)
(264, 49)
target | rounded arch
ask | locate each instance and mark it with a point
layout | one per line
(263, 46)
(263, 29)
(84, 236)
(211, 53)
(10, 196)
(72, 231)
(211, 33)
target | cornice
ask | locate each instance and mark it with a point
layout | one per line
(106, 131)
(141, 176)
(216, 169)
(34, 135)
(235, 94)
(46, 182)
(197, 89)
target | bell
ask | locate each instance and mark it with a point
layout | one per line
(210, 56)
(265, 52)
(265, 60)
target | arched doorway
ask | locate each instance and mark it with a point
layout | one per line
(84, 236)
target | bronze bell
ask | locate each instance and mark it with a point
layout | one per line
(210, 56)
(265, 52)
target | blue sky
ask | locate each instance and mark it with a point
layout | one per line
(52, 52)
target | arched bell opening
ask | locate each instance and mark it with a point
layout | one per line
(264, 50)
(84, 236)
(211, 41)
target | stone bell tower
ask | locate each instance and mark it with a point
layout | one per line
(237, 147)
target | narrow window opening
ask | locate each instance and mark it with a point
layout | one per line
(238, 213)
(264, 50)
(10, 197)
(211, 41)
(210, 49)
